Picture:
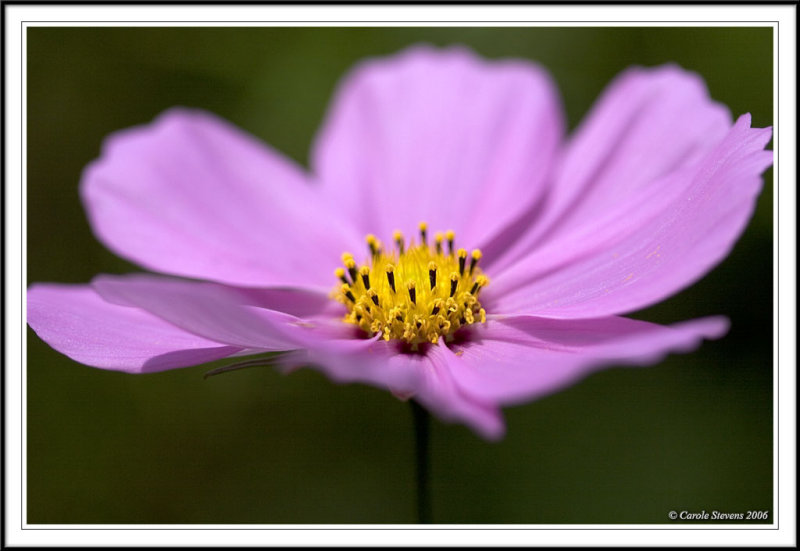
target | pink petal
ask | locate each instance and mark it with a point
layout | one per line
(244, 318)
(442, 394)
(342, 353)
(74, 320)
(646, 124)
(439, 136)
(514, 359)
(191, 195)
(425, 377)
(650, 122)
(213, 311)
(661, 239)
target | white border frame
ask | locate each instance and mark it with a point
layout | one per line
(18, 534)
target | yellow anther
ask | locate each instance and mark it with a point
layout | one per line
(364, 271)
(481, 281)
(350, 264)
(462, 260)
(340, 274)
(399, 241)
(476, 256)
(432, 274)
(390, 277)
(451, 239)
(439, 238)
(373, 244)
(412, 291)
(347, 292)
(453, 283)
(373, 296)
(468, 315)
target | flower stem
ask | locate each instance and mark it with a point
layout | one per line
(421, 436)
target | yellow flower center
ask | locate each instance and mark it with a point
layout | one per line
(415, 294)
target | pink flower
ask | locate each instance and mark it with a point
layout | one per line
(648, 195)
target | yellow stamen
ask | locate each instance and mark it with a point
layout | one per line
(453, 283)
(390, 276)
(476, 256)
(350, 264)
(439, 239)
(398, 239)
(373, 296)
(432, 274)
(364, 271)
(451, 236)
(348, 293)
(373, 243)
(462, 259)
(387, 295)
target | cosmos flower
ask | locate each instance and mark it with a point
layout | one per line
(449, 243)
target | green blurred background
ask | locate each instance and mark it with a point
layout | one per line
(623, 446)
